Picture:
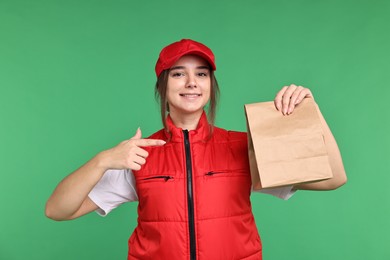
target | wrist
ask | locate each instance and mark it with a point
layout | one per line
(102, 160)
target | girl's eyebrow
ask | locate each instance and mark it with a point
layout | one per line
(182, 67)
(177, 68)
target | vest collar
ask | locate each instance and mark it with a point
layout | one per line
(201, 132)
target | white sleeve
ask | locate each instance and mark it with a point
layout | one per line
(284, 193)
(113, 189)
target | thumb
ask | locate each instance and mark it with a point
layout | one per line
(138, 134)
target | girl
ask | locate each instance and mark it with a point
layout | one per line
(191, 178)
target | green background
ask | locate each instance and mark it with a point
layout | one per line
(77, 77)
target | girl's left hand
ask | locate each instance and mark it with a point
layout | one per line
(289, 97)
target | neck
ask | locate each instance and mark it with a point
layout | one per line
(187, 121)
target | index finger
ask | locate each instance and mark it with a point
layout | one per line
(279, 97)
(149, 142)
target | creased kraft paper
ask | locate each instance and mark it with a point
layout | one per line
(286, 150)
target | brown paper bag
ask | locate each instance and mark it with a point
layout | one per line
(286, 150)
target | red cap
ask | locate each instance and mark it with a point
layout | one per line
(173, 52)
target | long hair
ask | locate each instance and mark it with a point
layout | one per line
(161, 94)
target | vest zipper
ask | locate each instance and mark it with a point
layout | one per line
(190, 198)
(214, 172)
(166, 178)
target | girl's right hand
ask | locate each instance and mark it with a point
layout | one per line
(129, 154)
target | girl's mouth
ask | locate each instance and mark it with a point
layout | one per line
(191, 95)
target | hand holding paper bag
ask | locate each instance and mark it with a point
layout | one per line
(286, 150)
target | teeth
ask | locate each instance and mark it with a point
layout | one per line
(190, 95)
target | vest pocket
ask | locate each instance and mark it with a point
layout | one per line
(163, 178)
(226, 173)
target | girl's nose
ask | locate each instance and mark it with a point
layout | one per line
(191, 82)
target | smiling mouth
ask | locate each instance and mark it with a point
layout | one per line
(190, 95)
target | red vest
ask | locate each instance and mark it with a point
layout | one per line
(194, 198)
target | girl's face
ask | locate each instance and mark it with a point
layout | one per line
(189, 83)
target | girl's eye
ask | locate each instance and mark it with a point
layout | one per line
(177, 74)
(203, 74)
